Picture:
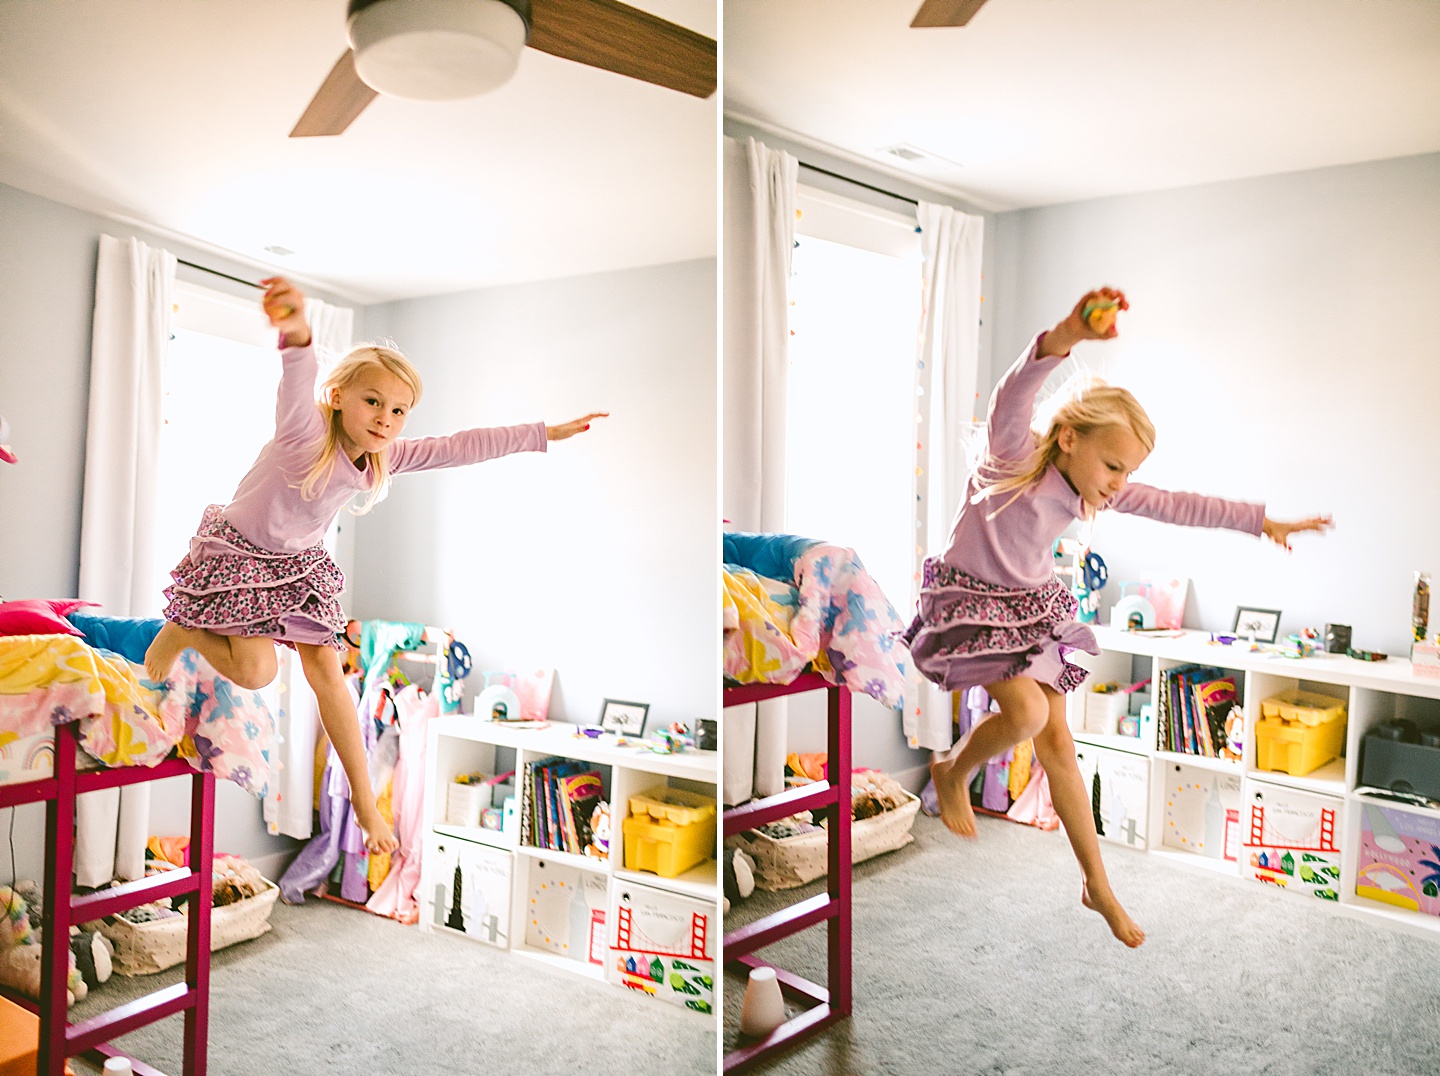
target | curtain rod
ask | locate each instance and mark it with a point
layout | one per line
(217, 272)
(858, 183)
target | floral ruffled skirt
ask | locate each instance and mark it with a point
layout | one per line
(970, 632)
(231, 586)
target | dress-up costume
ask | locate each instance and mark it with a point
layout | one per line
(258, 565)
(991, 607)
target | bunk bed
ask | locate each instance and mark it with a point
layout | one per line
(103, 726)
(803, 615)
(831, 1003)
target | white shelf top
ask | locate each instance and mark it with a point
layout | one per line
(1329, 779)
(558, 738)
(492, 838)
(1394, 674)
(569, 859)
(699, 881)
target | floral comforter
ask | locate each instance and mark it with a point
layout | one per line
(831, 615)
(124, 719)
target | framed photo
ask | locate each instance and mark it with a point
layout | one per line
(1262, 625)
(626, 718)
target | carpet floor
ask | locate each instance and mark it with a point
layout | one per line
(335, 990)
(978, 958)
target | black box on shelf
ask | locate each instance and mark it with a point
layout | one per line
(1403, 757)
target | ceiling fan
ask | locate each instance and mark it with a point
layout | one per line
(439, 50)
(946, 12)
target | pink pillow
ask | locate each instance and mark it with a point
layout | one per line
(39, 616)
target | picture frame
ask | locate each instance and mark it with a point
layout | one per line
(1262, 625)
(624, 718)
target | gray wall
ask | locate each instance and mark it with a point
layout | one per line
(1279, 337)
(47, 298)
(600, 558)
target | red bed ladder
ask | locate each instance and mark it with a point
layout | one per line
(831, 1003)
(60, 1040)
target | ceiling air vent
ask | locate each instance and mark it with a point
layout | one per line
(905, 153)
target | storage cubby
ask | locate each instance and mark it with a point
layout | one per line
(1198, 814)
(561, 905)
(1328, 779)
(1317, 819)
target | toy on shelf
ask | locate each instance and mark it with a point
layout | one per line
(668, 831)
(498, 702)
(1086, 572)
(672, 740)
(1133, 612)
(1299, 731)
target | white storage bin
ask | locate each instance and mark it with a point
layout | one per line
(1104, 711)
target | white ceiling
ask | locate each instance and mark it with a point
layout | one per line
(1044, 101)
(174, 114)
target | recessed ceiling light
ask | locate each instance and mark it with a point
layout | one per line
(279, 251)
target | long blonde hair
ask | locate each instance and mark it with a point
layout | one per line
(1090, 404)
(378, 463)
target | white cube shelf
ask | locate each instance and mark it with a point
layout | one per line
(1191, 799)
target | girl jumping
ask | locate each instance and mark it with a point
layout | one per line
(257, 572)
(992, 611)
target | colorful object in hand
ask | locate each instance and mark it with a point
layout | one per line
(1099, 314)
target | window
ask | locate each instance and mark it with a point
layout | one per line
(221, 374)
(850, 422)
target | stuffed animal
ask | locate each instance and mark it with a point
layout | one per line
(599, 846)
(14, 919)
(739, 880)
(93, 953)
(21, 951)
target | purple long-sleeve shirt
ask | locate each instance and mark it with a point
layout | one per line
(1013, 548)
(268, 508)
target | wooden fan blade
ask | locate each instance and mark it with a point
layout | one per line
(617, 37)
(340, 98)
(946, 12)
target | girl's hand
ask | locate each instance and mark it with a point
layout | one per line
(1280, 533)
(284, 305)
(1072, 330)
(570, 429)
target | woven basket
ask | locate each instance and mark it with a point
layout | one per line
(793, 861)
(145, 948)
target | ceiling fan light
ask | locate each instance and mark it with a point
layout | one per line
(436, 50)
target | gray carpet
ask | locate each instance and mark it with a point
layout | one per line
(335, 990)
(977, 957)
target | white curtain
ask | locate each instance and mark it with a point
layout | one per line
(759, 200)
(947, 412)
(289, 801)
(134, 299)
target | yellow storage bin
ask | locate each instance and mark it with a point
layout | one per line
(1306, 707)
(1296, 748)
(668, 831)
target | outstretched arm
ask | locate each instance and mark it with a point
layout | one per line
(570, 429)
(1280, 533)
(1012, 405)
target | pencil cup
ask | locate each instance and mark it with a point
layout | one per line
(763, 1009)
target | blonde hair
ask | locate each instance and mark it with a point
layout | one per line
(1090, 404)
(341, 375)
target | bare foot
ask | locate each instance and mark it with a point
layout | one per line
(954, 795)
(1121, 925)
(378, 838)
(160, 657)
